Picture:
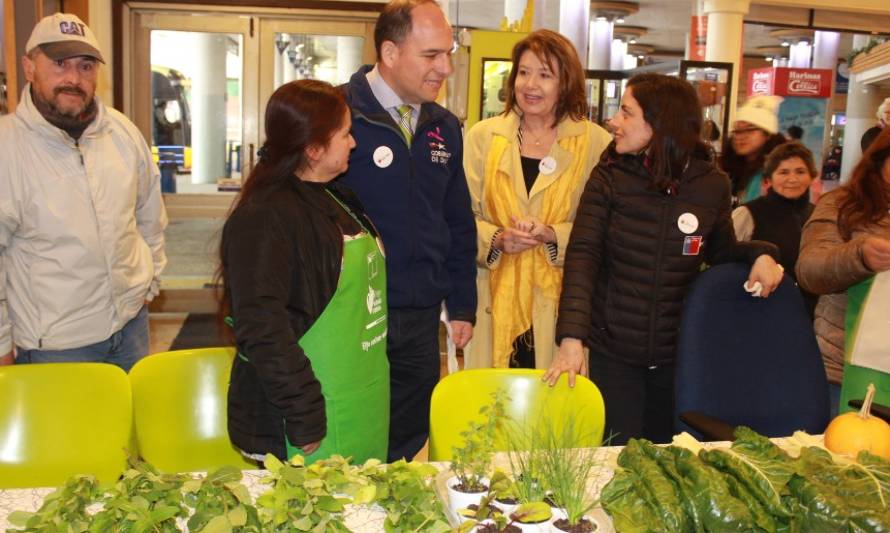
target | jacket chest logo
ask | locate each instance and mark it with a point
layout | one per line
(438, 150)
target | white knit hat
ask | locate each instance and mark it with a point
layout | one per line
(63, 35)
(761, 111)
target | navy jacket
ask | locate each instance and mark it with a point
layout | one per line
(419, 202)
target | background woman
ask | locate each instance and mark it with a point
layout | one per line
(872, 133)
(526, 169)
(845, 241)
(754, 134)
(304, 281)
(654, 209)
(779, 216)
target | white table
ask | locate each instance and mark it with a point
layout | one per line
(363, 519)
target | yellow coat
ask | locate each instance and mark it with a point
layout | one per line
(477, 354)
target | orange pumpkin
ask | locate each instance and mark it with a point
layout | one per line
(850, 433)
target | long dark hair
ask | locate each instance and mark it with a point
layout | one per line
(740, 169)
(553, 49)
(867, 194)
(299, 114)
(671, 108)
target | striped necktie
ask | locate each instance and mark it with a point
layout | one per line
(404, 112)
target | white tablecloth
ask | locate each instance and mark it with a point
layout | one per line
(362, 519)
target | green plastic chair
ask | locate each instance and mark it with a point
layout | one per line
(458, 397)
(180, 410)
(61, 419)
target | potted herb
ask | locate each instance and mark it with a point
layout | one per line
(566, 468)
(470, 462)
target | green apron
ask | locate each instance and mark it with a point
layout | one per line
(347, 348)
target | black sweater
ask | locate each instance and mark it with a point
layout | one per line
(282, 253)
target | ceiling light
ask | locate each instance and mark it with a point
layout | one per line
(769, 58)
(632, 41)
(786, 44)
(620, 20)
(601, 19)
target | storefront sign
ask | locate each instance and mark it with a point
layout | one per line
(802, 82)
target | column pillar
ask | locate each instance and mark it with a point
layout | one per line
(724, 40)
(825, 47)
(209, 108)
(349, 58)
(600, 51)
(862, 105)
(574, 25)
(799, 55)
(619, 50)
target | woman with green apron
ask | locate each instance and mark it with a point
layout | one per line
(305, 286)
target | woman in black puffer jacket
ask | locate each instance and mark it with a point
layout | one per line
(654, 210)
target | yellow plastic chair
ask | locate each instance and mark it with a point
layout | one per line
(458, 397)
(61, 419)
(180, 410)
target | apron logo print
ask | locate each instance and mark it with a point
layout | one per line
(374, 300)
(372, 265)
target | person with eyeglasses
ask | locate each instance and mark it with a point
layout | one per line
(754, 134)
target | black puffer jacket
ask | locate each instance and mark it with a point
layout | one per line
(626, 274)
(282, 254)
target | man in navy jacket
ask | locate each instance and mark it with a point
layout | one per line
(407, 170)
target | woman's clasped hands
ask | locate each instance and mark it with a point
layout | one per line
(523, 234)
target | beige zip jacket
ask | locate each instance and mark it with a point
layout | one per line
(476, 147)
(81, 229)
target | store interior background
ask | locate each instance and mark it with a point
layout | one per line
(194, 76)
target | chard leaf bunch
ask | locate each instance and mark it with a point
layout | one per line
(752, 486)
(471, 461)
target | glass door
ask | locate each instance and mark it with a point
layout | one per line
(328, 50)
(195, 97)
(712, 82)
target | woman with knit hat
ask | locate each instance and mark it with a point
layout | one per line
(883, 121)
(754, 134)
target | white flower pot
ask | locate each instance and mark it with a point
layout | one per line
(507, 508)
(460, 500)
(562, 515)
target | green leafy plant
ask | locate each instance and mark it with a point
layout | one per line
(471, 462)
(221, 503)
(142, 500)
(404, 490)
(303, 497)
(65, 506)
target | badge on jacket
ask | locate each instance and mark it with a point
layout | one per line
(692, 244)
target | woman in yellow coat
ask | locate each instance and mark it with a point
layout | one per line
(526, 169)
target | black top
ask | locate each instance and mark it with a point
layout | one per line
(869, 137)
(529, 171)
(282, 253)
(780, 220)
(628, 264)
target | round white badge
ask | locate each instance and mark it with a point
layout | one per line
(547, 165)
(382, 156)
(687, 223)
